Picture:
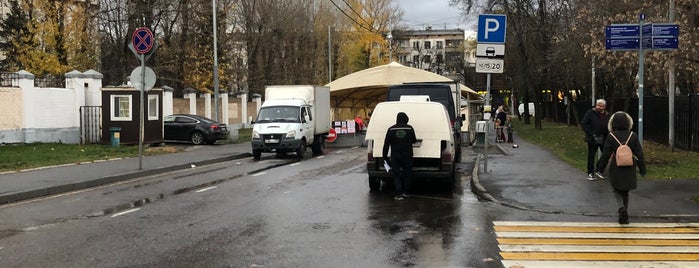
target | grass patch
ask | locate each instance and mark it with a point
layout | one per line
(567, 142)
(24, 156)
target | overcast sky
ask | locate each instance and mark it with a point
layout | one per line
(437, 13)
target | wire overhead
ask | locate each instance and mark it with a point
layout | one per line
(352, 19)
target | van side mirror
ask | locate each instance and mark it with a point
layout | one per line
(463, 117)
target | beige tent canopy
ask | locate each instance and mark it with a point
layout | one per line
(362, 90)
(366, 88)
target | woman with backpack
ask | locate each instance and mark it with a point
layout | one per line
(622, 177)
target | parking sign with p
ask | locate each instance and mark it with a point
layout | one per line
(491, 28)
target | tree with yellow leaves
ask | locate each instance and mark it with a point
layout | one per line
(61, 37)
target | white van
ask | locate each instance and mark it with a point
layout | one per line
(433, 155)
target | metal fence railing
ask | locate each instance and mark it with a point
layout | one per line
(8, 79)
(655, 117)
(57, 81)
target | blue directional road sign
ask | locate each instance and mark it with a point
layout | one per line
(491, 28)
(666, 29)
(621, 31)
(622, 44)
(665, 42)
(656, 36)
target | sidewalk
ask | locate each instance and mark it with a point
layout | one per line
(23, 185)
(532, 178)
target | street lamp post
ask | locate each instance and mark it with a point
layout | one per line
(216, 100)
(389, 36)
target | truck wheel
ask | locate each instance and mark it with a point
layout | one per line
(256, 154)
(317, 146)
(374, 184)
(301, 150)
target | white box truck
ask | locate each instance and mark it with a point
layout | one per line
(291, 118)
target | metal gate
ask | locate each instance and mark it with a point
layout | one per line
(90, 124)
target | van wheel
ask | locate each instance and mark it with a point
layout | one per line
(452, 179)
(374, 184)
(256, 154)
(458, 155)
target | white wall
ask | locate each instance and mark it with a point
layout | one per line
(52, 114)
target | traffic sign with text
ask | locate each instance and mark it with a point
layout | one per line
(487, 65)
(621, 31)
(654, 36)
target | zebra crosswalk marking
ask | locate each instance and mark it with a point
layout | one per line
(580, 244)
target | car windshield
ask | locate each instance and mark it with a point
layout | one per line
(286, 114)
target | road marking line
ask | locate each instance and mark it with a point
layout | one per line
(597, 235)
(588, 244)
(295, 164)
(599, 256)
(597, 241)
(126, 212)
(592, 224)
(617, 229)
(320, 156)
(596, 264)
(597, 248)
(258, 174)
(206, 189)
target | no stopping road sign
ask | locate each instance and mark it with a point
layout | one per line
(142, 40)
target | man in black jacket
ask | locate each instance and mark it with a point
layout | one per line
(594, 123)
(400, 138)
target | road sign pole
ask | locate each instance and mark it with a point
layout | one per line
(640, 78)
(671, 87)
(141, 113)
(487, 124)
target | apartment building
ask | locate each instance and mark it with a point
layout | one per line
(438, 51)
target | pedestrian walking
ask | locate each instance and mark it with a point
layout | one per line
(399, 139)
(594, 123)
(500, 124)
(622, 178)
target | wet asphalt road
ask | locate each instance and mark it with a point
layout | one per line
(271, 213)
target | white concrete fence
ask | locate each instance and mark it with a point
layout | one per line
(32, 114)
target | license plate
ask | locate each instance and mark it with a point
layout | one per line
(272, 141)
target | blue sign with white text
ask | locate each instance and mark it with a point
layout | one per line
(621, 31)
(665, 42)
(622, 43)
(491, 28)
(656, 36)
(666, 29)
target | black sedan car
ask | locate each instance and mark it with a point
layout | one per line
(193, 128)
